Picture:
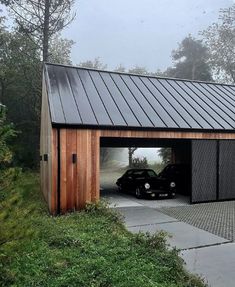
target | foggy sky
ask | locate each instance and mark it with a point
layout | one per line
(137, 32)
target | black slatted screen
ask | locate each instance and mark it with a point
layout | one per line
(227, 169)
(204, 170)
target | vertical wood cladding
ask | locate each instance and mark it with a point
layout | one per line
(79, 168)
(48, 155)
(79, 181)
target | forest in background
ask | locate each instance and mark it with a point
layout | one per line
(35, 37)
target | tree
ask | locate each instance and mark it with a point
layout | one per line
(131, 151)
(60, 50)
(20, 89)
(165, 154)
(7, 132)
(104, 155)
(120, 68)
(93, 64)
(41, 20)
(138, 70)
(138, 162)
(191, 61)
(220, 41)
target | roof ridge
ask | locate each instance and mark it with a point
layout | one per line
(139, 75)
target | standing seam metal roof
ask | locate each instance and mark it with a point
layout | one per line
(94, 98)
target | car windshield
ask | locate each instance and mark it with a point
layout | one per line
(141, 173)
(138, 173)
(151, 173)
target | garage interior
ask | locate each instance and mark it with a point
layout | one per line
(83, 109)
(180, 154)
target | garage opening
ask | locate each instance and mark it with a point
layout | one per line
(164, 164)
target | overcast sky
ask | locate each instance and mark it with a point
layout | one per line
(137, 32)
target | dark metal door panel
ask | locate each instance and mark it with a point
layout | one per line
(227, 169)
(204, 170)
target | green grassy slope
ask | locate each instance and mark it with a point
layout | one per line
(89, 248)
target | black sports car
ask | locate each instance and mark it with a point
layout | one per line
(178, 173)
(145, 182)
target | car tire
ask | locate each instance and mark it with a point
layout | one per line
(138, 193)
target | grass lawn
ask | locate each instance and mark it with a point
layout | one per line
(89, 248)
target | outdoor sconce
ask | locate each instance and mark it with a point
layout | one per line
(74, 158)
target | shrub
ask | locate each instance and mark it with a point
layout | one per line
(139, 162)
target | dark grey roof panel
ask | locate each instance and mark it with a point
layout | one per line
(216, 105)
(82, 102)
(143, 102)
(220, 101)
(228, 94)
(195, 119)
(202, 106)
(102, 114)
(165, 103)
(123, 106)
(156, 104)
(132, 102)
(88, 97)
(67, 99)
(166, 88)
(56, 109)
(107, 99)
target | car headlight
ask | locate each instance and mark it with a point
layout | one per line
(172, 184)
(147, 185)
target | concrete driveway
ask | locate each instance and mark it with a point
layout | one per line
(209, 255)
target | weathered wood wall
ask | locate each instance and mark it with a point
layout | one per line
(48, 147)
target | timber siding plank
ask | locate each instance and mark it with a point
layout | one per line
(63, 172)
(54, 172)
(95, 166)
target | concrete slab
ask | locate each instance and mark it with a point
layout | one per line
(135, 216)
(117, 199)
(184, 236)
(215, 263)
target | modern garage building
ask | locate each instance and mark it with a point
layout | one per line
(85, 109)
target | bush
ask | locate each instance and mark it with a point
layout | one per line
(7, 132)
(139, 162)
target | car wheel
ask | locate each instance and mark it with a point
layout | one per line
(138, 193)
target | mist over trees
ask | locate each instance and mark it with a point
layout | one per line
(93, 64)
(36, 36)
(220, 41)
(191, 61)
(41, 21)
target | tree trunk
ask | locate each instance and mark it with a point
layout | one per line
(130, 157)
(2, 92)
(46, 31)
(130, 154)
